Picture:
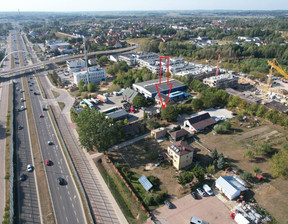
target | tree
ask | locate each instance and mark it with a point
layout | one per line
(103, 60)
(199, 173)
(91, 87)
(210, 169)
(97, 132)
(148, 199)
(197, 104)
(220, 162)
(214, 154)
(279, 164)
(185, 178)
(139, 101)
(249, 154)
(257, 170)
(170, 113)
(155, 181)
(246, 175)
(81, 85)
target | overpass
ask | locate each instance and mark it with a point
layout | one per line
(56, 60)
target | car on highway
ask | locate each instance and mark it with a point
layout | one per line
(50, 143)
(21, 90)
(47, 162)
(17, 89)
(201, 192)
(41, 115)
(60, 181)
(168, 203)
(35, 93)
(22, 177)
(31, 89)
(208, 189)
(194, 194)
(22, 100)
(20, 127)
(29, 168)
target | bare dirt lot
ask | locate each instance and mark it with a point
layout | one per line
(271, 194)
(210, 209)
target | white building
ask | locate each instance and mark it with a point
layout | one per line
(54, 44)
(94, 74)
(75, 65)
(222, 81)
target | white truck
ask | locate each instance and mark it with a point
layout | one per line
(240, 219)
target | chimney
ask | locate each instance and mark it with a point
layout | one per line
(183, 148)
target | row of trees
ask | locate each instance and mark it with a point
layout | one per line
(90, 87)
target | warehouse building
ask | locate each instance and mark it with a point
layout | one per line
(148, 88)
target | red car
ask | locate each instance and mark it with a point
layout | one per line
(41, 115)
(47, 162)
(132, 110)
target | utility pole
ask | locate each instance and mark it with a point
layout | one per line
(86, 59)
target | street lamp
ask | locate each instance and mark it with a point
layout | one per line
(12, 53)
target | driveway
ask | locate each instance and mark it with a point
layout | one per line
(210, 209)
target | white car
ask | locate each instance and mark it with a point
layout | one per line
(207, 189)
(29, 168)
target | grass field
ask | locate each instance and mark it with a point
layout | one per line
(273, 193)
(137, 41)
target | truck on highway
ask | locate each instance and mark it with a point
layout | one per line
(102, 98)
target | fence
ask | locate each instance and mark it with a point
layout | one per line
(12, 186)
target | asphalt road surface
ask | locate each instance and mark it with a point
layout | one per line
(65, 199)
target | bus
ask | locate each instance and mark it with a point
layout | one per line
(110, 110)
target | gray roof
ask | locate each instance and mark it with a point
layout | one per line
(129, 94)
(118, 114)
(151, 87)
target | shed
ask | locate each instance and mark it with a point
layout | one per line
(230, 186)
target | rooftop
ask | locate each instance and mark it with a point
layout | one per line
(181, 147)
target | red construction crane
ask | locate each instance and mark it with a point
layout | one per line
(229, 59)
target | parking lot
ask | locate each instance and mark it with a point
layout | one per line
(210, 209)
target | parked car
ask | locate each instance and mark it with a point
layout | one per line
(29, 168)
(207, 189)
(47, 162)
(194, 195)
(132, 110)
(41, 115)
(22, 177)
(168, 203)
(50, 143)
(60, 181)
(201, 192)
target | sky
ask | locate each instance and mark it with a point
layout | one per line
(128, 5)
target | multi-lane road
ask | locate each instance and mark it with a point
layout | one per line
(65, 198)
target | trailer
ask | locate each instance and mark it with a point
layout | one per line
(88, 103)
(102, 98)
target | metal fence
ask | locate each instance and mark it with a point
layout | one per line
(12, 185)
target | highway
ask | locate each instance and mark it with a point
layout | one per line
(65, 198)
(51, 61)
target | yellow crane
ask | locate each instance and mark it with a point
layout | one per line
(278, 68)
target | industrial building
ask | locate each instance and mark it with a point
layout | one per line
(222, 81)
(75, 65)
(94, 74)
(148, 88)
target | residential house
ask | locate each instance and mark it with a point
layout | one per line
(200, 122)
(158, 133)
(181, 154)
(177, 135)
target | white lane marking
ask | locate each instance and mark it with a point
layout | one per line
(73, 205)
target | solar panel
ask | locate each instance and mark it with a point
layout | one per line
(145, 183)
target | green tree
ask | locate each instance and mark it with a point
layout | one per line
(103, 60)
(199, 173)
(81, 85)
(249, 154)
(210, 169)
(185, 178)
(257, 170)
(197, 104)
(148, 199)
(97, 132)
(139, 101)
(170, 113)
(91, 87)
(155, 181)
(246, 175)
(214, 154)
(279, 164)
(220, 162)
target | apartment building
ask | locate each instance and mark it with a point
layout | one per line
(222, 81)
(181, 154)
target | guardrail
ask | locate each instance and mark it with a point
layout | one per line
(72, 164)
(12, 186)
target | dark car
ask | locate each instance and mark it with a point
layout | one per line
(22, 177)
(35, 93)
(201, 192)
(19, 127)
(60, 181)
(194, 195)
(168, 203)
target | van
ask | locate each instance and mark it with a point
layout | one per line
(198, 221)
